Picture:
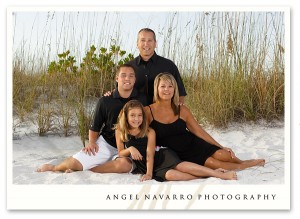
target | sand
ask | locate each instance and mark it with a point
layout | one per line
(248, 141)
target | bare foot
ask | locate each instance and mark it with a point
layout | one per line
(255, 162)
(229, 175)
(261, 162)
(251, 163)
(69, 171)
(45, 167)
(221, 170)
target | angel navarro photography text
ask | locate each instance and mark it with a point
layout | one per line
(205, 197)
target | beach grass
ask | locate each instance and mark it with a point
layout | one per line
(232, 65)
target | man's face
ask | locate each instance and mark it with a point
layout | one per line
(126, 79)
(146, 44)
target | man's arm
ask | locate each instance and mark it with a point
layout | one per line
(92, 147)
(179, 81)
(181, 100)
(94, 131)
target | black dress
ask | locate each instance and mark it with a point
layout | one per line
(185, 144)
(164, 159)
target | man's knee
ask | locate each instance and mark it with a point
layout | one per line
(123, 165)
(74, 164)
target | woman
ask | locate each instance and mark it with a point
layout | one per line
(176, 128)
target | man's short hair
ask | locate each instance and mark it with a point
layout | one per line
(126, 65)
(148, 30)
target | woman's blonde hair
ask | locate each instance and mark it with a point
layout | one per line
(123, 126)
(169, 78)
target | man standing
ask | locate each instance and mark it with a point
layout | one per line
(148, 65)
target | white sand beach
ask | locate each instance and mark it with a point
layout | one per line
(267, 186)
(248, 141)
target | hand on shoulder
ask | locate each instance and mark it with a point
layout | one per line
(108, 93)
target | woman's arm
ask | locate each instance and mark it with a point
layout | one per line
(150, 155)
(195, 128)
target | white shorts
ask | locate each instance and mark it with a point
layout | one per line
(106, 153)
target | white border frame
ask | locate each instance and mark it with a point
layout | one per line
(93, 197)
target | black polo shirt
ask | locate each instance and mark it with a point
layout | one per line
(107, 111)
(147, 71)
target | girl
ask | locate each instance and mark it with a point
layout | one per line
(136, 140)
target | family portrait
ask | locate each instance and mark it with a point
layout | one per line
(152, 107)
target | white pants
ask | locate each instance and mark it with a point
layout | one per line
(106, 153)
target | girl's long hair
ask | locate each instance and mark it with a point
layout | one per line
(123, 126)
(170, 78)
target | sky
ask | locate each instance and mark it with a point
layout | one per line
(291, 98)
(42, 33)
(77, 30)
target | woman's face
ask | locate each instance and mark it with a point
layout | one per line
(165, 90)
(135, 117)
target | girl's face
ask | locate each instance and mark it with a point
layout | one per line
(165, 90)
(135, 117)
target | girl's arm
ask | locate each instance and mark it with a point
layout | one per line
(150, 155)
(148, 114)
(120, 145)
(126, 152)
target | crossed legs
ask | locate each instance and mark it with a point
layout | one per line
(222, 159)
(188, 171)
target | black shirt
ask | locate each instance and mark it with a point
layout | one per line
(147, 71)
(107, 111)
